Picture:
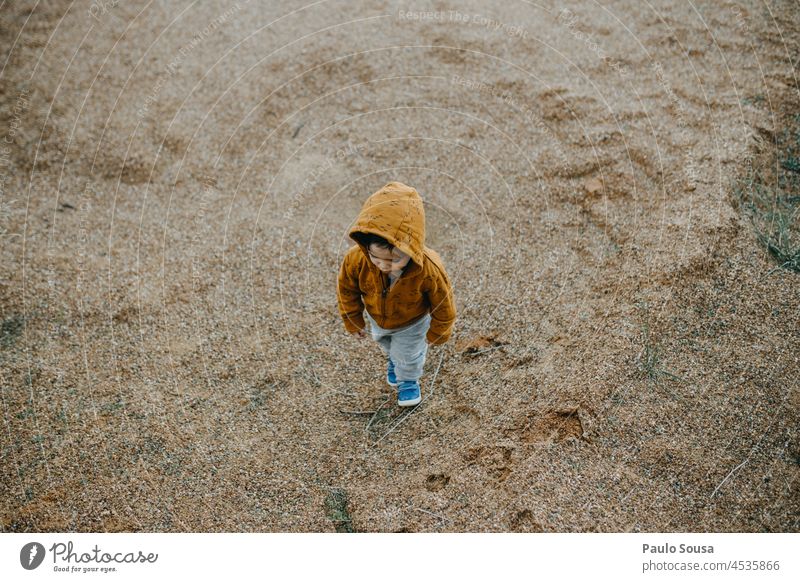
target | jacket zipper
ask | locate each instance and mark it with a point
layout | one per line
(383, 294)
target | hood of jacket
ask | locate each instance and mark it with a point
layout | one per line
(394, 212)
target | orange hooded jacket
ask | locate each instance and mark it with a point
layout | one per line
(395, 212)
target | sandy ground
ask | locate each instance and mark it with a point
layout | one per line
(177, 184)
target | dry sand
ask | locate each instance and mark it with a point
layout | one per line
(178, 182)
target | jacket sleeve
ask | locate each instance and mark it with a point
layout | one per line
(351, 307)
(443, 308)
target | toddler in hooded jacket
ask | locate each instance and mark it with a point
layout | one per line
(398, 284)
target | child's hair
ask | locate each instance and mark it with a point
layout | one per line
(368, 238)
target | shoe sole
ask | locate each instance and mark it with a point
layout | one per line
(392, 385)
(414, 402)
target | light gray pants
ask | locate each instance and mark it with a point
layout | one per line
(405, 346)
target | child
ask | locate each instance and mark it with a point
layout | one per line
(399, 284)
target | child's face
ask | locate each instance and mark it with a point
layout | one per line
(386, 260)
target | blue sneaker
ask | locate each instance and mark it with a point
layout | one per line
(408, 393)
(391, 379)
